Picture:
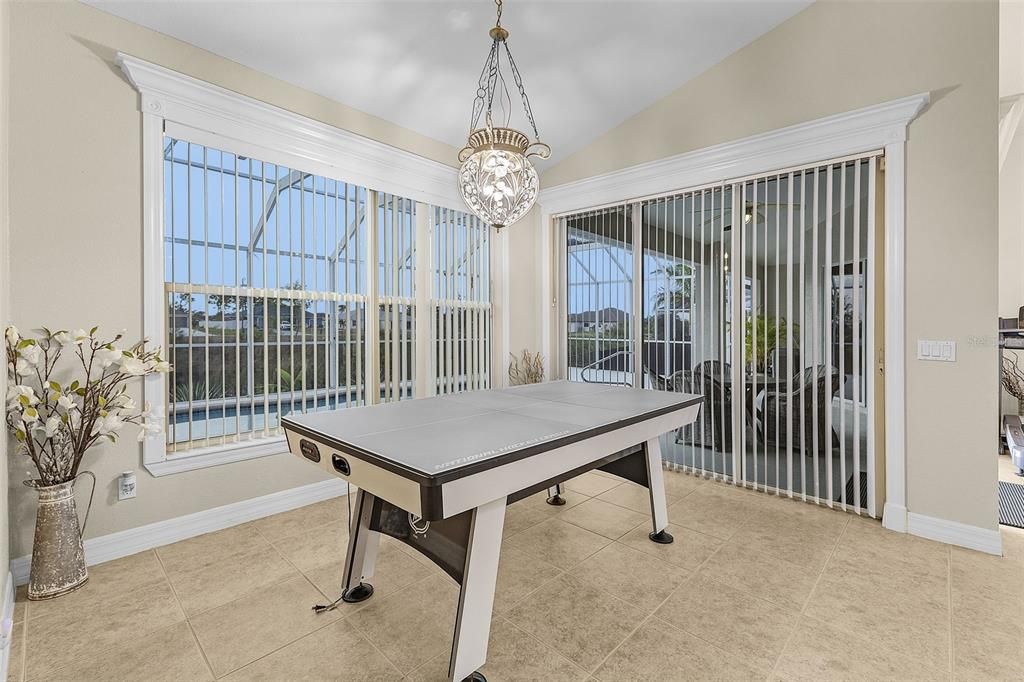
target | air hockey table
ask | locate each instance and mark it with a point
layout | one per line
(437, 473)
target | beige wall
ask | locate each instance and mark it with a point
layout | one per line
(5, 35)
(525, 306)
(838, 56)
(76, 210)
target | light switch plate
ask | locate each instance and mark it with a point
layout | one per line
(938, 351)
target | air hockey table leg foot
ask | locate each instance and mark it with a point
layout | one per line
(477, 676)
(360, 592)
(662, 537)
(556, 500)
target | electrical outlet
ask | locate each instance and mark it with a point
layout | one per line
(126, 486)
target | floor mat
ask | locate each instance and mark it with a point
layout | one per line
(1011, 504)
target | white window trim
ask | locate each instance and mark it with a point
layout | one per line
(882, 126)
(208, 114)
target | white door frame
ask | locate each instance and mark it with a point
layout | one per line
(881, 126)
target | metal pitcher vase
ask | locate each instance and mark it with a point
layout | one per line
(58, 557)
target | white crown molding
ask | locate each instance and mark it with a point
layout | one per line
(134, 540)
(185, 100)
(951, 532)
(822, 139)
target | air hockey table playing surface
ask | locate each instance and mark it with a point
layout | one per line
(436, 473)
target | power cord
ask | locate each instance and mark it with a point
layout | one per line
(321, 608)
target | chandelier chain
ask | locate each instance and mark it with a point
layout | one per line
(487, 84)
(522, 91)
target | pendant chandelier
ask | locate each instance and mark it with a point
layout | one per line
(496, 179)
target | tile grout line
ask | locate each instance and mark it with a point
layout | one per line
(303, 575)
(387, 658)
(651, 615)
(188, 622)
(537, 640)
(188, 618)
(343, 617)
(807, 600)
(24, 647)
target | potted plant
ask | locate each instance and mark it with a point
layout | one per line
(58, 412)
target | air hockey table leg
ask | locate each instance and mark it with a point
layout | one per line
(555, 495)
(362, 552)
(476, 598)
(656, 485)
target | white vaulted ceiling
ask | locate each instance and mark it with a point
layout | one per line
(587, 64)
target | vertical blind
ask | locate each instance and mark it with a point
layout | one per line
(599, 295)
(268, 295)
(758, 295)
(461, 320)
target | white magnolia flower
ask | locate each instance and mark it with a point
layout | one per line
(52, 426)
(63, 338)
(133, 366)
(148, 429)
(124, 402)
(31, 354)
(15, 393)
(79, 336)
(105, 357)
(109, 424)
(162, 366)
(67, 403)
(30, 415)
(12, 335)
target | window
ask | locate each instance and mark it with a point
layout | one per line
(270, 301)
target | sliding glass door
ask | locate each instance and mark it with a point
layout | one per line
(599, 296)
(758, 294)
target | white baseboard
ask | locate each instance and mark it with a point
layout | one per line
(955, 533)
(134, 540)
(894, 517)
(6, 626)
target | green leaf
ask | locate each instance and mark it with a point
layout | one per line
(55, 387)
(74, 385)
(20, 435)
(93, 330)
(102, 401)
(25, 343)
(23, 399)
(80, 392)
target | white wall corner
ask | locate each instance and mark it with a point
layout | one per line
(986, 540)
(135, 540)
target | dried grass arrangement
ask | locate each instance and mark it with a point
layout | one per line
(528, 368)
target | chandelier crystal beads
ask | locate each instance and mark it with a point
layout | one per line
(496, 179)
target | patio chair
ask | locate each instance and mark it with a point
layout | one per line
(818, 388)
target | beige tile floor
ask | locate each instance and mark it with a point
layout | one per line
(754, 587)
